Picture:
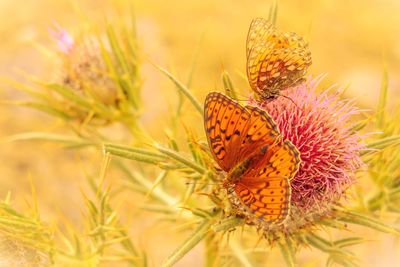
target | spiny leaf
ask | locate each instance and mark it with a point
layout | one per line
(138, 179)
(227, 224)
(359, 125)
(158, 208)
(138, 150)
(182, 159)
(228, 85)
(198, 235)
(160, 178)
(238, 253)
(287, 251)
(381, 144)
(46, 108)
(213, 251)
(25, 230)
(348, 241)
(356, 218)
(273, 12)
(380, 114)
(133, 155)
(207, 214)
(67, 93)
(69, 140)
(336, 254)
(26, 88)
(319, 243)
(182, 89)
(122, 69)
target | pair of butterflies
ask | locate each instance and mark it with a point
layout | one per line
(245, 141)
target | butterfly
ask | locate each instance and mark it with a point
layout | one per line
(246, 144)
(275, 60)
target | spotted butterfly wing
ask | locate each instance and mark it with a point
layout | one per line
(275, 60)
(258, 32)
(247, 136)
(265, 186)
(234, 132)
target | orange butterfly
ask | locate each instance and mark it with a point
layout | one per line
(275, 60)
(246, 143)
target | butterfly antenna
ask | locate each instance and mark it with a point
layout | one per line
(242, 97)
(290, 100)
(203, 194)
(205, 183)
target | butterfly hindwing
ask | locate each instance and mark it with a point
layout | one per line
(265, 187)
(267, 200)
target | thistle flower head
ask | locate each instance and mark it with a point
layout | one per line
(317, 124)
(84, 67)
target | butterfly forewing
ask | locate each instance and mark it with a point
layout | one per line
(235, 132)
(275, 60)
(261, 130)
(225, 122)
(258, 32)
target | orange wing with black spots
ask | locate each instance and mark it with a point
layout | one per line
(225, 122)
(265, 187)
(233, 131)
(246, 144)
(275, 60)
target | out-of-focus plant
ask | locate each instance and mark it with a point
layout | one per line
(24, 239)
(383, 164)
(105, 239)
(98, 82)
(178, 176)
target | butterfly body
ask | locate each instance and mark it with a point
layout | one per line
(275, 60)
(246, 144)
(237, 171)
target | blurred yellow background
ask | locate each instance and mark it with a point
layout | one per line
(349, 40)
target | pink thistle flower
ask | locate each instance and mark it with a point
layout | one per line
(64, 40)
(318, 125)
